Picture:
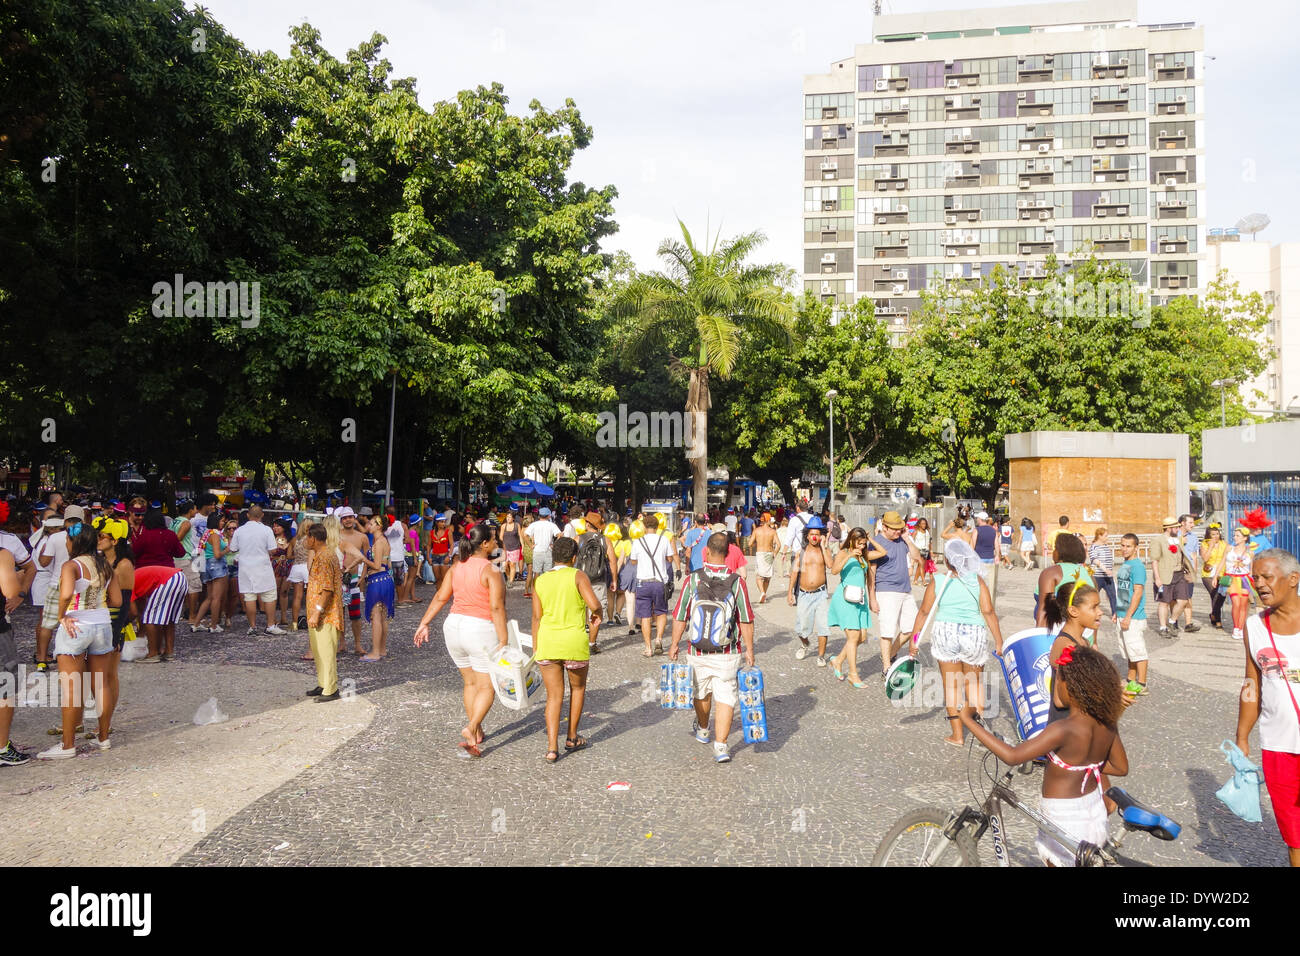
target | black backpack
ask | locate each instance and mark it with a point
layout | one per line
(592, 559)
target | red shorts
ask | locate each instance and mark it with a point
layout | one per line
(1282, 775)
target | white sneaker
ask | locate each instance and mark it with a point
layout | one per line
(57, 752)
(103, 744)
(801, 653)
(821, 661)
(720, 752)
(199, 629)
(276, 629)
(1236, 634)
(217, 629)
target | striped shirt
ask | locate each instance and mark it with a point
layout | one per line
(744, 610)
(1103, 555)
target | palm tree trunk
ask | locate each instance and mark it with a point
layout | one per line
(698, 403)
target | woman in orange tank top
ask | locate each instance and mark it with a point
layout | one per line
(475, 630)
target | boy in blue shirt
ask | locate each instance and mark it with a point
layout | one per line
(1131, 616)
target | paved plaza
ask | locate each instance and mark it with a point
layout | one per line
(378, 779)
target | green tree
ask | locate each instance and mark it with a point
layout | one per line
(1077, 351)
(697, 313)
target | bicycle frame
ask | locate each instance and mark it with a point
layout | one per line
(989, 817)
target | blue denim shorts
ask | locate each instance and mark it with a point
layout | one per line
(97, 639)
(213, 570)
(810, 613)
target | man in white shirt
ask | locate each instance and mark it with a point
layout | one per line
(53, 555)
(253, 542)
(654, 555)
(730, 521)
(543, 532)
(569, 530)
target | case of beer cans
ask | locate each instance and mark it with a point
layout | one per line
(676, 686)
(753, 710)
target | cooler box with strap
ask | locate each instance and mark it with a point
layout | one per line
(516, 669)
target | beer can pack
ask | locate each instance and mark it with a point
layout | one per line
(753, 711)
(676, 686)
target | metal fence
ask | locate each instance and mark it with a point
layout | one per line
(1278, 495)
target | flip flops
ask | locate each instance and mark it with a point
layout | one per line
(575, 743)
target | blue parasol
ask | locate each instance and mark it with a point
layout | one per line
(529, 489)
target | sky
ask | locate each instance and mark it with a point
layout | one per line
(697, 106)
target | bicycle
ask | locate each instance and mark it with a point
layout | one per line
(952, 838)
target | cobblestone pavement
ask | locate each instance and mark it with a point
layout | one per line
(841, 765)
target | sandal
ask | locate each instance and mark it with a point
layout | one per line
(552, 756)
(858, 683)
(647, 653)
(659, 646)
(471, 749)
(575, 743)
(836, 671)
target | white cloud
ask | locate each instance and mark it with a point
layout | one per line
(696, 106)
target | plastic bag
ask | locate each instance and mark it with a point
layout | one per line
(1241, 793)
(134, 646)
(209, 713)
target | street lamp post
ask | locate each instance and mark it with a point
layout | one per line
(830, 484)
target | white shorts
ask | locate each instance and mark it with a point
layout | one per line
(1083, 818)
(193, 582)
(1133, 642)
(897, 613)
(954, 643)
(265, 597)
(469, 641)
(298, 574)
(716, 674)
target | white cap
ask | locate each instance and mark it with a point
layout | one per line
(344, 512)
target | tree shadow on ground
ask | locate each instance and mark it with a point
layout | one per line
(1215, 822)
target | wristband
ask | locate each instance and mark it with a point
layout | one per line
(916, 637)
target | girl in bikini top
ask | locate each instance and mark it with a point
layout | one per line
(1089, 685)
(1076, 607)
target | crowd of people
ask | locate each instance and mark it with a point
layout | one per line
(103, 576)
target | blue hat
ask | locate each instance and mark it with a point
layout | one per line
(39, 507)
(629, 512)
(414, 519)
(514, 506)
(155, 504)
(815, 524)
(544, 512)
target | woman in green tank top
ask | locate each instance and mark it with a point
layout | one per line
(1071, 563)
(562, 599)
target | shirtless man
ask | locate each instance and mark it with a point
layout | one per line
(354, 544)
(766, 545)
(809, 583)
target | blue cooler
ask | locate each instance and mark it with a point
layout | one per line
(1027, 669)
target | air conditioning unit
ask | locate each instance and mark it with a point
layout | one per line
(952, 250)
(1024, 185)
(947, 64)
(1044, 214)
(970, 237)
(828, 257)
(882, 86)
(950, 220)
(1122, 141)
(1105, 236)
(1171, 109)
(826, 288)
(1022, 95)
(829, 164)
(968, 147)
(1043, 147)
(900, 273)
(1180, 98)
(1170, 183)
(1123, 89)
(1182, 132)
(904, 240)
(951, 84)
(900, 185)
(899, 289)
(975, 101)
(1101, 214)
(1022, 203)
(1123, 61)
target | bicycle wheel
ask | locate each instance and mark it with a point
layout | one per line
(912, 841)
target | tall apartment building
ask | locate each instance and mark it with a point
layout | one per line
(959, 141)
(1274, 272)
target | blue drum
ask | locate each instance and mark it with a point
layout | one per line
(1027, 669)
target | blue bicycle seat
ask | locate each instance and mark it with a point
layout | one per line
(1138, 817)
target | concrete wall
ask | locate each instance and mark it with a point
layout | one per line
(1271, 447)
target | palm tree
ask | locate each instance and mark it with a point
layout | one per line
(701, 307)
